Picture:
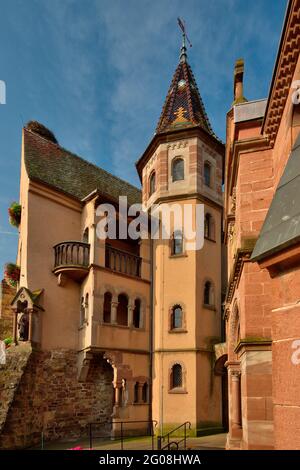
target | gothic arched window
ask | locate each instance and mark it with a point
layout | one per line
(178, 169)
(152, 183)
(176, 376)
(176, 317)
(122, 310)
(107, 307)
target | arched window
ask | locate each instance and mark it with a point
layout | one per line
(208, 295)
(152, 183)
(207, 174)
(137, 314)
(177, 169)
(176, 317)
(82, 311)
(122, 310)
(145, 392)
(176, 376)
(86, 236)
(86, 306)
(107, 307)
(136, 392)
(177, 243)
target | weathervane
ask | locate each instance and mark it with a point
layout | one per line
(185, 38)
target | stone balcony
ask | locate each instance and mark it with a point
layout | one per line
(122, 261)
(72, 258)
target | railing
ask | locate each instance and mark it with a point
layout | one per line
(71, 254)
(122, 261)
(177, 442)
(122, 437)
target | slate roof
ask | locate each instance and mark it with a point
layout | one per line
(183, 106)
(48, 163)
(281, 228)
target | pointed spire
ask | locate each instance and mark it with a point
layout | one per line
(183, 106)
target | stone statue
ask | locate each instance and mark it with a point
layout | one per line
(23, 327)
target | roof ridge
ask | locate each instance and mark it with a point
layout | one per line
(82, 159)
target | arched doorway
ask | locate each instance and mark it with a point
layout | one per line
(221, 370)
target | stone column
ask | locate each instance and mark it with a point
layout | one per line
(236, 399)
(114, 306)
(130, 309)
(30, 325)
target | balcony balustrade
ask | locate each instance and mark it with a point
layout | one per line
(122, 261)
(72, 258)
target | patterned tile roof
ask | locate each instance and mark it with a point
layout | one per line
(183, 105)
(49, 163)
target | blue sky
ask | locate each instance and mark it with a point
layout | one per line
(96, 73)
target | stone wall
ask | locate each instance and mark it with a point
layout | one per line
(50, 399)
(7, 294)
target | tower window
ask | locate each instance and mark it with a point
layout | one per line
(176, 317)
(178, 169)
(207, 174)
(208, 295)
(107, 307)
(152, 183)
(176, 376)
(177, 243)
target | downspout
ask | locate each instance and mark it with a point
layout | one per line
(151, 324)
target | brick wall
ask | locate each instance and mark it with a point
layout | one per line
(49, 398)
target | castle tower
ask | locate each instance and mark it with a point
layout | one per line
(183, 165)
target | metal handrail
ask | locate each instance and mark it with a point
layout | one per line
(153, 423)
(160, 439)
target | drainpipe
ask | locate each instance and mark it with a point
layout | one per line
(151, 324)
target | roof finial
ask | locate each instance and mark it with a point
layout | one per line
(183, 54)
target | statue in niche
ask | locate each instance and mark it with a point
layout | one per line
(23, 327)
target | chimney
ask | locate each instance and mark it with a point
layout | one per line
(238, 82)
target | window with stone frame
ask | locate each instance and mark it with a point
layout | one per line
(107, 307)
(152, 183)
(176, 378)
(209, 226)
(177, 243)
(177, 169)
(176, 317)
(122, 310)
(207, 174)
(208, 294)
